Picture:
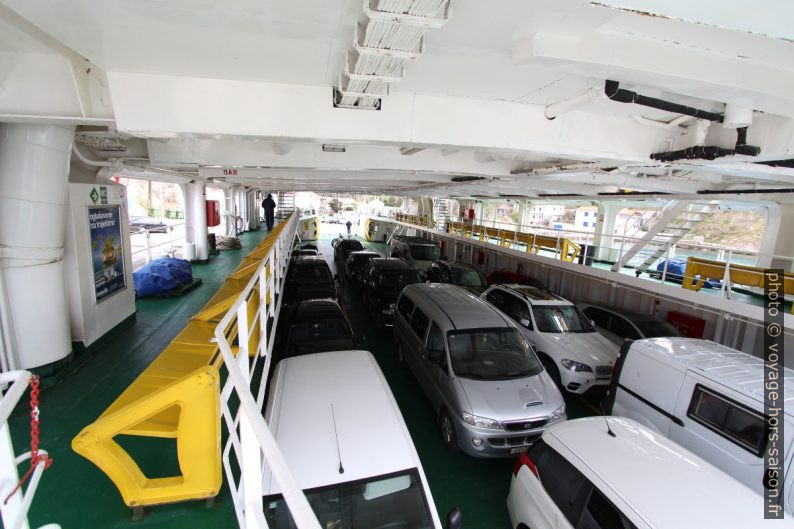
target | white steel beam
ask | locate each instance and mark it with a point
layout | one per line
(169, 106)
(683, 69)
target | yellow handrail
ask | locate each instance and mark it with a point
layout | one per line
(177, 396)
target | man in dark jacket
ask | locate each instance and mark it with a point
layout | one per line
(269, 205)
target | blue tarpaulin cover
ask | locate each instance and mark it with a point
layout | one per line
(161, 276)
(676, 269)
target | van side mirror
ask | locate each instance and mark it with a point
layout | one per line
(454, 519)
(526, 323)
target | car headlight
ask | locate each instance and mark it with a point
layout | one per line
(480, 422)
(575, 366)
(558, 414)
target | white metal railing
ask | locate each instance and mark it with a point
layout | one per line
(144, 254)
(251, 445)
(621, 242)
(15, 504)
(613, 245)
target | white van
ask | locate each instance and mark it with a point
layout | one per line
(612, 473)
(708, 398)
(345, 441)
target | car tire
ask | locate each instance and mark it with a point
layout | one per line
(551, 369)
(448, 435)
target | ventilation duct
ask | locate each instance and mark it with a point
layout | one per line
(393, 34)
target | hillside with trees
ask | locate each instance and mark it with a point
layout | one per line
(733, 229)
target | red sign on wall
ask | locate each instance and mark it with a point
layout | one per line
(690, 326)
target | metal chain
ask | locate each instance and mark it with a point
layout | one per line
(35, 457)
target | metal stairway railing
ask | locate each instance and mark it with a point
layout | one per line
(286, 203)
(676, 230)
(672, 224)
(440, 211)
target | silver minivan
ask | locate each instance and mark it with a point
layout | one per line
(487, 387)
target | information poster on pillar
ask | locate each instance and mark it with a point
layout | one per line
(104, 226)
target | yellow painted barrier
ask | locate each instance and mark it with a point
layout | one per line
(698, 270)
(425, 222)
(568, 249)
(177, 396)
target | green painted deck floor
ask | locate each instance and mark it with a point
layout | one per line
(74, 493)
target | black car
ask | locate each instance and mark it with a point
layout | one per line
(355, 263)
(343, 246)
(317, 326)
(309, 277)
(150, 224)
(619, 325)
(461, 274)
(303, 251)
(384, 279)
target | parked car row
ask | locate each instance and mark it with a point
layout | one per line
(328, 405)
(684, 448)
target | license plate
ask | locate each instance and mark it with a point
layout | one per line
(519, 450)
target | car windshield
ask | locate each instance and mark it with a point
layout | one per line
(394, 279)
(492, 354)
(394, 500)
(656, 329)
(467, 277)
(319, 272)
(314, 336)
(562, 318)
(425, 252)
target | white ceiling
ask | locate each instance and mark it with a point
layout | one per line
(494, 62)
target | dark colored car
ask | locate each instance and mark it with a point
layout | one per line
(355, 263)
(317, 326)
(461, 274)
(501, 277)
(309, 277)
(384, 279)
(303, 251)
(343, 246)
(619, 325)
(150, 224)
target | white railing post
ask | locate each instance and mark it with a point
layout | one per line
(726, 281)
(14, 512)
(148, 247)
(250, 457)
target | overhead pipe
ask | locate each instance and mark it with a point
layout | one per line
(710, 153)
(561, 107)
(87, 161)
(615, 93)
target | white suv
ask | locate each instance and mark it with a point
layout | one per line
(612, 473)
(340, 430)
(575, 355)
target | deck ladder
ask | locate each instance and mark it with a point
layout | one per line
(673, 223)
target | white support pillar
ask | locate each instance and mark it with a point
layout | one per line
(777, 244)
(196, 219)
(252, 209)
(526, 214)
(34, 316)
(605, 229)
